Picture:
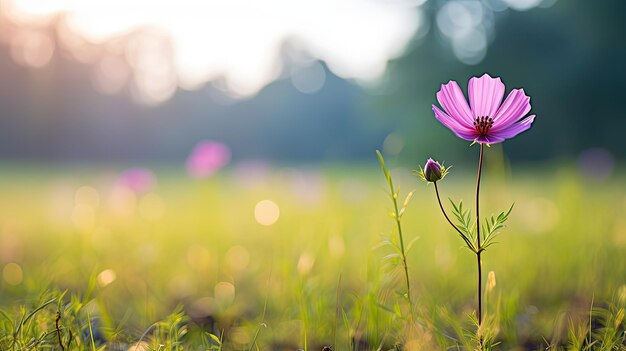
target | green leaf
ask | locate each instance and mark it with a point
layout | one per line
(408, 199)
(383, 243)
(385, 308)
(381, 160)
(214, 339)
(493, 226)
(391, 256)
(466, 224)
(410, 245)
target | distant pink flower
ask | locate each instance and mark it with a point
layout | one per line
(487, 120)
(139, 180)
(207, 158)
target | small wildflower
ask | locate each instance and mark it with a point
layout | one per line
(432, 171)
(139, 180)
(207, 158)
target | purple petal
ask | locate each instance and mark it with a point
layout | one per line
(516, 106)
(453, 101)
(485, 95)
(454, 125)
(513, 129)
(489, 139)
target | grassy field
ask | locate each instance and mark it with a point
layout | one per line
(188, 262)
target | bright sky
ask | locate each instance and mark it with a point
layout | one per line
(237, 40)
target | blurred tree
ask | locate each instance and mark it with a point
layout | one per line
(568, 57)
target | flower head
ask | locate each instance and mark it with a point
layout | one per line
(487, 119)
(139, 180)
(432, 171)
(207, 158)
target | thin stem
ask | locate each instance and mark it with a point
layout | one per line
(397, 215)
(336, 312)
(404, 264)
(448, 218)
(478, 251)
(56, 322)
(262, 324)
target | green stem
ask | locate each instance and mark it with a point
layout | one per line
(404, 264)
(394, 198)
(469, 244)
(478, 251)
(56, 322)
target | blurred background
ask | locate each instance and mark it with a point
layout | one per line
(301, 82)
(193, 152)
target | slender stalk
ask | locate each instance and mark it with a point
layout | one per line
(448, 218)
(444, 211)
(262, 324)
(56, 322)
(336, 312)
(304, 316)
(404, 264)
(397, 215)
(478, 251)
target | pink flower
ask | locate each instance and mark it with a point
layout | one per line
(207, 158)
(139, 180)
(487, 120)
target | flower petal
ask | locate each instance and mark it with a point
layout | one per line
(453, 101)
(454, 125)
(488, 139)
(513, 129)
(485, 95)
(515, 106)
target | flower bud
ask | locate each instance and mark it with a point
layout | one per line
(432, 171)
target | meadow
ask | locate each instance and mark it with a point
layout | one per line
(289, 257)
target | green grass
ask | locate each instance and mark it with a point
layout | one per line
(188, 267)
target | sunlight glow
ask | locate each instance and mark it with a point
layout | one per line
(188, 43)
(336, 246)
(224, 293)
(468, 26)
(122, 201)
(305, 263)
(32, 48)
(266, 212)
(237, 258)
(106, 277)
(88, 196)
(12, 273)
(198, 257)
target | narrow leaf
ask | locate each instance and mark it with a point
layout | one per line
(410, 244)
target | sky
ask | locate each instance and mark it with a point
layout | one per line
(164, 45)
(187, 43)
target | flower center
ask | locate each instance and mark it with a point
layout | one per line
(483, 124)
